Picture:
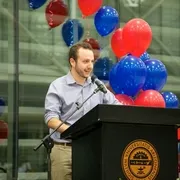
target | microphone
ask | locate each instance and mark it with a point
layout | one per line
(99, 84)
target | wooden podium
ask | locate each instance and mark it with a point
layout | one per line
(114, 142)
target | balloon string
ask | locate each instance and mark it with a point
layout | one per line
(50, 18)
(87, 26)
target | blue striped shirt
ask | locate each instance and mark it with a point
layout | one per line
(64, 93)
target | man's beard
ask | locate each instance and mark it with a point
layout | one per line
(80, 72)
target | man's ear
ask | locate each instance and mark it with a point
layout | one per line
(72, 62)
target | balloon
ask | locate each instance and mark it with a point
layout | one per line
(178, 133)
(72, 31)
(89, 7)
(156, 75)
(113, 83)
(128, 76)
(145, 56)
(117, 43)
(95, 45)
(150, 98)
(171, 99)
(106, 20)
(35, 4)
(102, 68)
(2, 106)
(124, 99)
(137, 36)
(56, 13)
(3, 130)
(93, 42)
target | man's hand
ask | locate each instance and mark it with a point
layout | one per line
(53, 123)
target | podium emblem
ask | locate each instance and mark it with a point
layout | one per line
(140, 160)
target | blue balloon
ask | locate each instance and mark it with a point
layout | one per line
(112, 78)
(106, 20)
(2, 106)
(178, 146)
(128, 76)
(170, 99)
(145, 56)
(102, 68)
(156, 75)
(35, 4)
(72, 31)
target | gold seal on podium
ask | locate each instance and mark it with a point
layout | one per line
(140, 160)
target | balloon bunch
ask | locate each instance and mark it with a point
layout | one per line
(136, 74)
(142, 81)
(134, 38)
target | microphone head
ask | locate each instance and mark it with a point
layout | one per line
(93, 77)
(99, 84)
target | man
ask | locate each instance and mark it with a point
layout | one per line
(61, 100)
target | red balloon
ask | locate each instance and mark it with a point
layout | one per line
(93, 42)
(137, 36)
(89, 7)
(178, 132)
(56, 13)
(150, 98)
(95, 45)
(3, 130)
(117, 43)
(124, 99)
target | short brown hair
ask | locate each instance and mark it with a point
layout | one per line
(73, 52)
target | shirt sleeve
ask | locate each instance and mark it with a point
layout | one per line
(53, 104)
(109, 98)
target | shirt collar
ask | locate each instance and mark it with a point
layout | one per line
(71, 80)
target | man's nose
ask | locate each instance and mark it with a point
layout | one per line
(90, 65)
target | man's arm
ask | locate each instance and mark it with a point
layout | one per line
(53, 104)
(109, 98)
(53, 123)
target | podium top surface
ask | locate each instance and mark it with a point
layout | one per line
(126, 114)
